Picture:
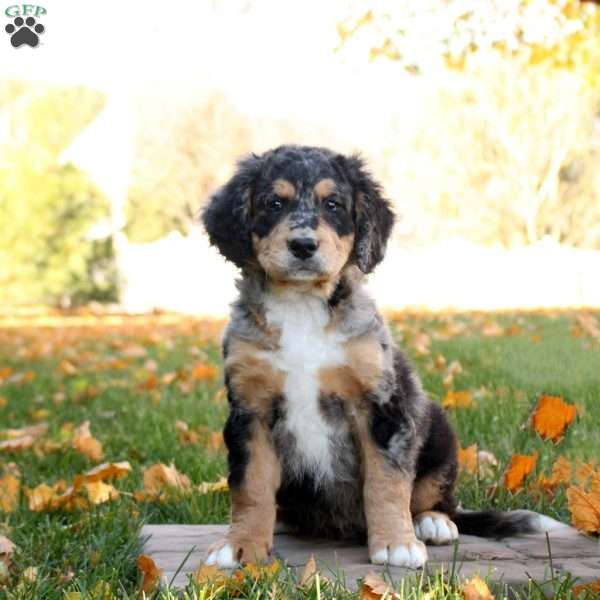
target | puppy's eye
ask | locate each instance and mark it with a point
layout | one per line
(275, 204)
(331, 204)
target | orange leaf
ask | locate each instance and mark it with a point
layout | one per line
(204, 372)
(467, 459)
(218, 486)
(521, 465)
(551, 416)
(562, 472)
(160, 478)
(108, 471)
(10, 486)
(42, 496)
(477, 589)
(84, 442)
(375, 588)
(455, 399)
(209, 575)
(99, 492)
(585, 505)
(583, 588)
(151, 573)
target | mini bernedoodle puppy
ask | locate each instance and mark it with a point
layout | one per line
(329, 431)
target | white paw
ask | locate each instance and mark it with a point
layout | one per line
(413, 556)
(222, 557)
(437, 530)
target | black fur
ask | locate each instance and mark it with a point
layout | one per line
(373, 215)
(226, 216)
(494, 523)
(237, 432)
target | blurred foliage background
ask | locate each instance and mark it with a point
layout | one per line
(505, 150)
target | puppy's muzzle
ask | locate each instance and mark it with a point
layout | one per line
(303, 247)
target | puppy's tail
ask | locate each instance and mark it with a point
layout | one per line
(498, 524)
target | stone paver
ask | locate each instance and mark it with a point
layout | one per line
(512, 560)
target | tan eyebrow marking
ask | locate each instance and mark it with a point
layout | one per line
(325, 187)
(284, 189)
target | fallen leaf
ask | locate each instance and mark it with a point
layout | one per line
(209, 575)
(589, 324)
(108, 471)
(204, 372)
(593, 587)
(458, 399)
(422, 343)
(160, 479)
(375, 588)
(467, 459)
(35, 431)
(85, 443)
(42, 496)
(585, 505)
(217, 486)
(5, 373)
(151, 573)
(492, 329)
(308, 574)
(476, 589)
(562, 473)
(521, 465)
(257, 572)
(67, 367)
(3, 401)
(551, 417)
(454, 368)
(30, 574)
(6, 547)
(99, 492)
(10, 486)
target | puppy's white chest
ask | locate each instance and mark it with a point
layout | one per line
(305, 347)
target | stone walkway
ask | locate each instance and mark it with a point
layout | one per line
(511, 560)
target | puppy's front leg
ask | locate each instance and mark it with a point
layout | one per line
(254, 478)
(387, 492)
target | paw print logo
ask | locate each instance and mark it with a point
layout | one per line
(24, 32)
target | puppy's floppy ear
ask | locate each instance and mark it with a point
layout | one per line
(226, 217)
(373, 216)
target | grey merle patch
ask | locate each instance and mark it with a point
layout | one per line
(24, 32)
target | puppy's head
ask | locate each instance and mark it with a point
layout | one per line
(300, 214)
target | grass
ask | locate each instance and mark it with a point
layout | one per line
(92, 553)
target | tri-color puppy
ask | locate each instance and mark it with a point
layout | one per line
(329, 430)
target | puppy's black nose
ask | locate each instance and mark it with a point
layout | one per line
(303, 247)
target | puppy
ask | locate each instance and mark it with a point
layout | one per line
(329, 431)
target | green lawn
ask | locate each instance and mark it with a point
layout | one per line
(108, 381)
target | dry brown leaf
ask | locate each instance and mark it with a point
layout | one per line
(107, 471)
(10, 486)
(308, 574)
(217, 486)
(85, 443)
(159, 479)
(5, 373)
(67, 367)
(151, 573)
(42, 496)
(584, 505)
(150, 383)
(520, 466)
(551, 417)
(477, 589)
(35, 431)
(99, 492)
(375, 588)
(458, 399)
(3, 401)
(583, 471)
